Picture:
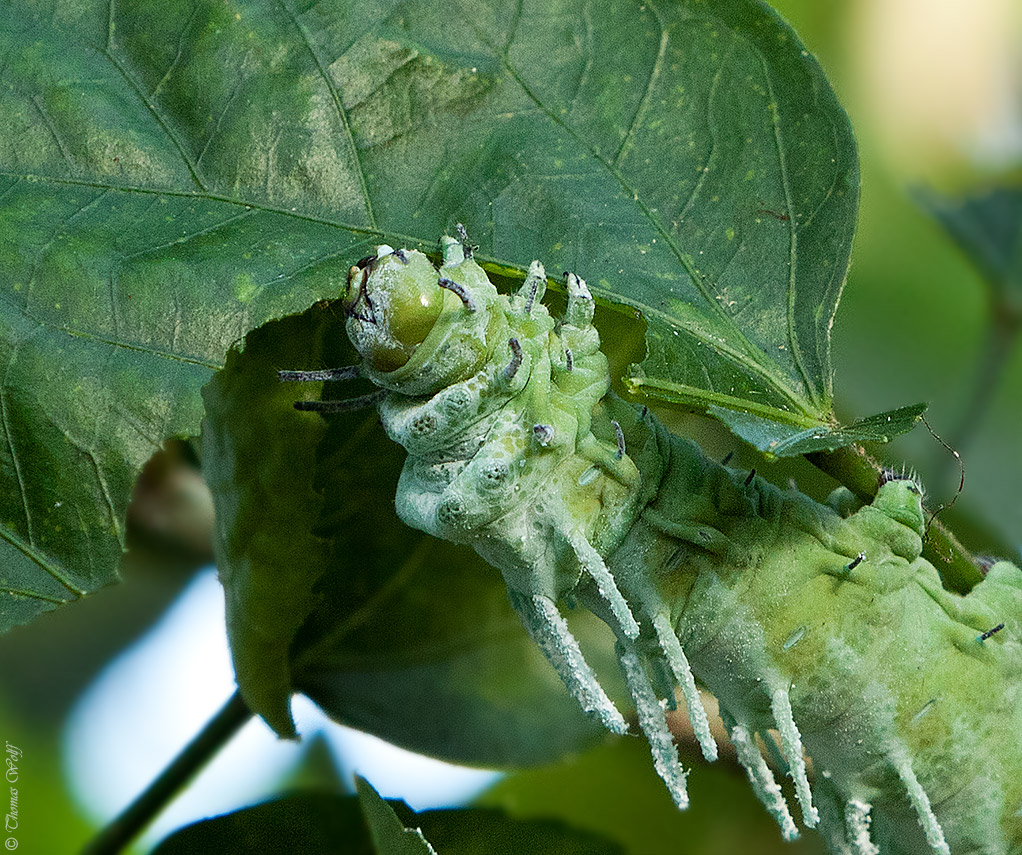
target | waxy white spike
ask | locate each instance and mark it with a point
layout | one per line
(762, 780)
(791, 746)
(921, 802)
(683, 674)
(654, 726)
(550, 631)
(592, 563)
(857, 824)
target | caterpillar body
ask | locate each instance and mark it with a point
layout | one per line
(820, 634)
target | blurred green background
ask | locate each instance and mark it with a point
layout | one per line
(934, 89)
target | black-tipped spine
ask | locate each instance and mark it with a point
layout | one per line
(620, 434)
(511, 369)
(345, 405)
(348, 372)
(459, 289)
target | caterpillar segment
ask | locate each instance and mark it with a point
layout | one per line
(820, 623)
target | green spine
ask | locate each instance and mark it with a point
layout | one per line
(831, 630)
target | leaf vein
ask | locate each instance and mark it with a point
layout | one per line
(319, 259)
(149, 250)
(134, 346)
(830, 190)
(105, 490)
(154, 110)
(56, 233)
(583, 78)
(178, 53)
(749, 359)
(371, 606)
(355, 228)
(219, 121)
(342, 114)
(13, 186)
(654, 76)
(61, 145)
(512, 30)
(32, 595)
(115, 312)
(710, 99)
(12, 448)
(782, 164)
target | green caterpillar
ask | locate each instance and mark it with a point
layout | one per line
(830, 630)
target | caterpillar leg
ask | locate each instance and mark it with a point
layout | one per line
(547, 627)
(654, 724)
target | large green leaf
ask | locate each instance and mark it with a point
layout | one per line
(310, 823)
(387, 629)
(173, 175)
(314, 823)
(259, 455)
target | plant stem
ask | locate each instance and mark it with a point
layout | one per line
(858, 472)
(136, 816)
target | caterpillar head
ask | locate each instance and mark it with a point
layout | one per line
(392, 302)
(419, 329)
(900, 496)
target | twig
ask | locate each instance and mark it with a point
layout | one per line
(136, 816)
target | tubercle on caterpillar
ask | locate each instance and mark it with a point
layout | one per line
(826, 628)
